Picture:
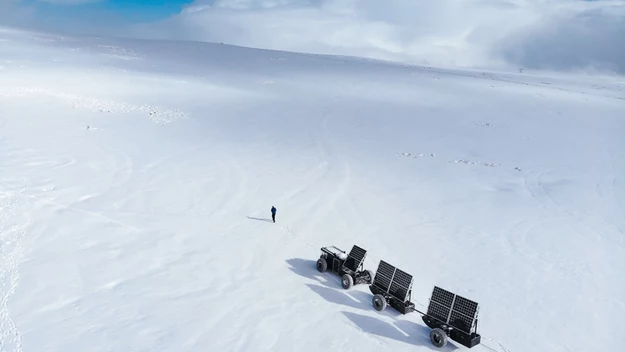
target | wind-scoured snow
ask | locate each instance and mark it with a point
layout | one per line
(137, 177)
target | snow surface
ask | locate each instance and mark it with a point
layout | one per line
(137, 177)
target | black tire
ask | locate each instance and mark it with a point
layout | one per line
(322, 265)
(371, 275)
(347, 282)
(438, 337)
(379, 302)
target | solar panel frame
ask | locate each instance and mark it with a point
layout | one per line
(401, 284)
(355, 258)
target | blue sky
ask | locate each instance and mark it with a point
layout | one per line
(128, 11)
(142, 10)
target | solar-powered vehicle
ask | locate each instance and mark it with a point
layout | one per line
(448, 315)
(348, 266)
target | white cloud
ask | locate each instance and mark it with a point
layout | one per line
(561, 34)
(11, 14)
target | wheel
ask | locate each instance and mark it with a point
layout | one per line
(371, 275)
(438, 337)
(347, 281)
(322, 265)
(379, 302)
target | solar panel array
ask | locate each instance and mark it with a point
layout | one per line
(440, 304)
(392, 280)
(463, 313)
(355, 258)
(454, 310)
(384, 275)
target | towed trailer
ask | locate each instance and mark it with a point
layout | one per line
(348, 266)
(448, 315)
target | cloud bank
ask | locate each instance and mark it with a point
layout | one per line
(542, 34)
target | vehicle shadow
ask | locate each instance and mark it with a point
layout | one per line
(259, 219)
(400, 330)
(328, 285)
(368, 298)
(308, 269)
(338, 297)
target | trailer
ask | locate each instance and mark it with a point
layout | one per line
(348, 266)
(453, 316)
(448, 315)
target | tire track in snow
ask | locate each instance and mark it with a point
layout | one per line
(620, 209)
(574, 222)
(516, 239)
(95, 214)
(12, 237)
(33, 158)
(332, 165)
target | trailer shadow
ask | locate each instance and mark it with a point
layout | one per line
(308, 269)
(418, 331)
(367, 297)
(401, 330)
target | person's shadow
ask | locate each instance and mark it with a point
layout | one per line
(259, 219)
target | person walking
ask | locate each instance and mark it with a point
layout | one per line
(273, 213)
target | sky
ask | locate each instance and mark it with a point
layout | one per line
(564, 35)
(91, 15)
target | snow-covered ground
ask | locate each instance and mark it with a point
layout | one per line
(136, 179)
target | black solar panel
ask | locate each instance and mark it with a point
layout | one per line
(401, 284)
(384, 275)
(355, 258)
(454, 310)
(460, 321)
(442, 297)
(465, 306)
(392, 280)
(438, 311)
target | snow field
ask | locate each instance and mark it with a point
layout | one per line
(135, 194)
